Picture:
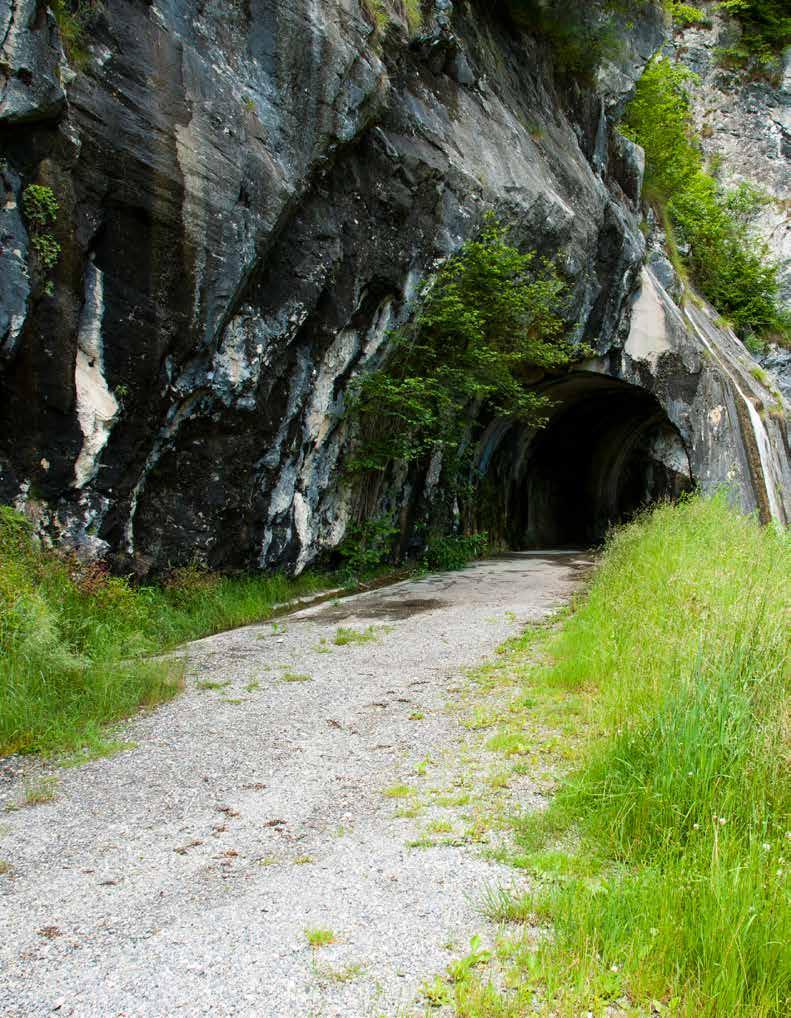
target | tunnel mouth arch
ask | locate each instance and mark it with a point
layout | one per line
(607, 451)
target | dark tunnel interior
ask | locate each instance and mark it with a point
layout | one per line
(607, 451)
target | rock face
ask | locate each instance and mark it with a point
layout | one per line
(252, 193)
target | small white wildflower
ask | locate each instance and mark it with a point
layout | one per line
(723, 821)
(613, 968)
(690, 774)
(766, 846)
(696, 827)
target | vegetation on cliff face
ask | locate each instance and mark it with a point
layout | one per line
(380, 12)
(489, 317)
(684, 14)
(41, 208)
(660, 869)
(731, 266)
(581, 34)
(765, 32)
(75, 20)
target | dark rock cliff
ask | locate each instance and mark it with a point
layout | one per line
(251, 194)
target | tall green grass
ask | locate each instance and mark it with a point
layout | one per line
(676, 890)
(76, 643)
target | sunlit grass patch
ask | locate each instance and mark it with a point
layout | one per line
(509, 743)
(289, 676)
(211, 684)
(399, 791)
(341, 974)
(37, 791)
(318, 937)
(500, 905)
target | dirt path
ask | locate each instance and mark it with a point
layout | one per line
(179, 878)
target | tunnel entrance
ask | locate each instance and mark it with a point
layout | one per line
(607, 451)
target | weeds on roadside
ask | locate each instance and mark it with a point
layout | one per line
(344, 636)
(342, 974)
(37, 791)
(398, 792)
(318, 937)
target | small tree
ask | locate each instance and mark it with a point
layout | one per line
(491, 315)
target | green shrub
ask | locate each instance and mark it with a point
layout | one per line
(39, 205)
(731, 266)
(686, 15)
(765, 32)
(454, 551)
(368, 545)
(490, 315)
(47, 250)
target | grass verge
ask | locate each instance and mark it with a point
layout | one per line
(660, 867)
(76, 643)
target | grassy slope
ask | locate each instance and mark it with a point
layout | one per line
(74, 641)
(662, 864)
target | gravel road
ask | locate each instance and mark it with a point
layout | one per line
(180, 877)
